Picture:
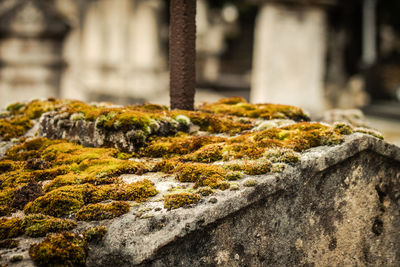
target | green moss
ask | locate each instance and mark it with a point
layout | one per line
(10, 228)
(239, 107)
(37, 225)
(216, 123)
(207, 154)
(7, 166)
(250, 183)
(202, 175)
(59, 202)
(174, 201)
(251, 167)
(234, 187)
(192, 172)
(69, 199)
(179, 145)
(205, 191)
(97, 212)
(14, 127)
(9, 243)
(166, 166)
(282, 155)
(15, 106)
(95, 234)
(63, 249)
(343, 128)
(234, 175)
(368, 131)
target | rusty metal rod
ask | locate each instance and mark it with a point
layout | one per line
(182, 53)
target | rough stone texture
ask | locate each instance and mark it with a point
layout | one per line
(88, 133)
(338, 206)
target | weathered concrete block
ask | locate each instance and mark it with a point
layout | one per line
(338, 207)
(323, 194)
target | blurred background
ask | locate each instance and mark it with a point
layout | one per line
(316, 54)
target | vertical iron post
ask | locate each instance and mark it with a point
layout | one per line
(182, 53)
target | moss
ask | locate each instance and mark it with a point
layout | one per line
(343, 128)
(234, 175)
(282, 155)
(250, 183)
(97, 212)
(251, 167)
(59, 202)
(213, 181)
(178, 145)
(7, 166)
(95, 234)
(216, 123)
(14, 127)
(174, 201)
(9, 243)
(63, 249)
(166, 166)
(69, 199)
(207, 154)
(205, 191)
(37, 225)
(202, 175)
(15, 106)
(10, 228)
(368, 131)
(192, 172)
(239, 107)
(278, 167)
(234, 187)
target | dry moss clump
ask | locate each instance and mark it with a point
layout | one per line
(100, 211)
(63, 249)
(174, 201)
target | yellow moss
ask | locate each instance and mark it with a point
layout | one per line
(239, 107)
(95, 234)
(14, 127)
(251, 167)
(207, 154)
(100, 211)
(250, 183)
(179, 145)
(174, 201)
(205, 191)
(63, 249)
(69, 199)
(216, 123)
(192, 172)
(37, 225)
(59, 202)
(10, 228)
(166, 166)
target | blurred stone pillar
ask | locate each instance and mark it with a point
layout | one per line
(31, 36)
(289, 54)
(123, 56)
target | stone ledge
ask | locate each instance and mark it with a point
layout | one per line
(134, 243)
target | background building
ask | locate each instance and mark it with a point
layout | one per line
(318, 54)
